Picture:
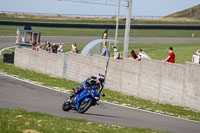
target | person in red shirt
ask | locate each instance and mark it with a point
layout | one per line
(171, 57)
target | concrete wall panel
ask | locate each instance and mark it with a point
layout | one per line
(192, 86)
(40, 61)
(114, 73)
(149, 83)
(172, 83)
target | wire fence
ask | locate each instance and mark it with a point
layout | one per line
(15, 14)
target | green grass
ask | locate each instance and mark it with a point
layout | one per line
(131, 101)
(45, 31)
(18, 121)
(111, 96)
(158, 51)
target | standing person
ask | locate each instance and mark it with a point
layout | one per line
(116, 53)
(16, 38)
(106, 52)
(171, 56)
(142, 54)
(133, 54)
(105, 36)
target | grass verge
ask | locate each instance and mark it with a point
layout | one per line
(86, 32)
(157, 51)
(14, 121)
(111, 96)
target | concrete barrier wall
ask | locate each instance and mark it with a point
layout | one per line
(149, 79)
(172, 83)
(192, 86)
(40, 61)
(80, 67)
(123, 76)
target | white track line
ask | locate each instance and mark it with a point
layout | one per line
(62, 91)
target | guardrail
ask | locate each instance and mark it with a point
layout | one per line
(98, 26)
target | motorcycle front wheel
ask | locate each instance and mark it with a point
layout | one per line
(66, 106)
(84, 105)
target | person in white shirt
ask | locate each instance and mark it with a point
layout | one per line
(116, 53)
(198, 52)
(142, 54)
(60, 48)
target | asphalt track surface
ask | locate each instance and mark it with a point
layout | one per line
(16, 94)
(6, 41)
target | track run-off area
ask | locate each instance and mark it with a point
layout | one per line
(19, 94)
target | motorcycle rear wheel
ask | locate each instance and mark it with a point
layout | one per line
(66, 106)
(84, 106)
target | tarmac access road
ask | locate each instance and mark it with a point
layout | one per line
(7, 41)
(17, 94)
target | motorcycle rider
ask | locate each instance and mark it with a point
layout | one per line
(93, 82)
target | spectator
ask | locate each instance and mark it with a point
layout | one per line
(106, 52)
(116, 53)
(198, 52)
(171, 56)
(33, 46)
(60, 48)
(142, 54)
(54, 48)
(134, 55)
(37, 48)
(74, 48)
(48, 46)
(16, 38)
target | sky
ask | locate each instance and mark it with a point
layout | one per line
(139, 7)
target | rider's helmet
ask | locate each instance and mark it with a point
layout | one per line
(100, 78)
(91, 80)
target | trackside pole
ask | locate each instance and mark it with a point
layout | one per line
(106, 68)
(127, 30)
(117, 23)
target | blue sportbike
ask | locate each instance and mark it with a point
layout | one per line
(86, 95)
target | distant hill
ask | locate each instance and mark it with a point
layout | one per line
(193, 12)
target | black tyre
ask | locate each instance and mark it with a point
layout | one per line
(66, 106)
(84, 106)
